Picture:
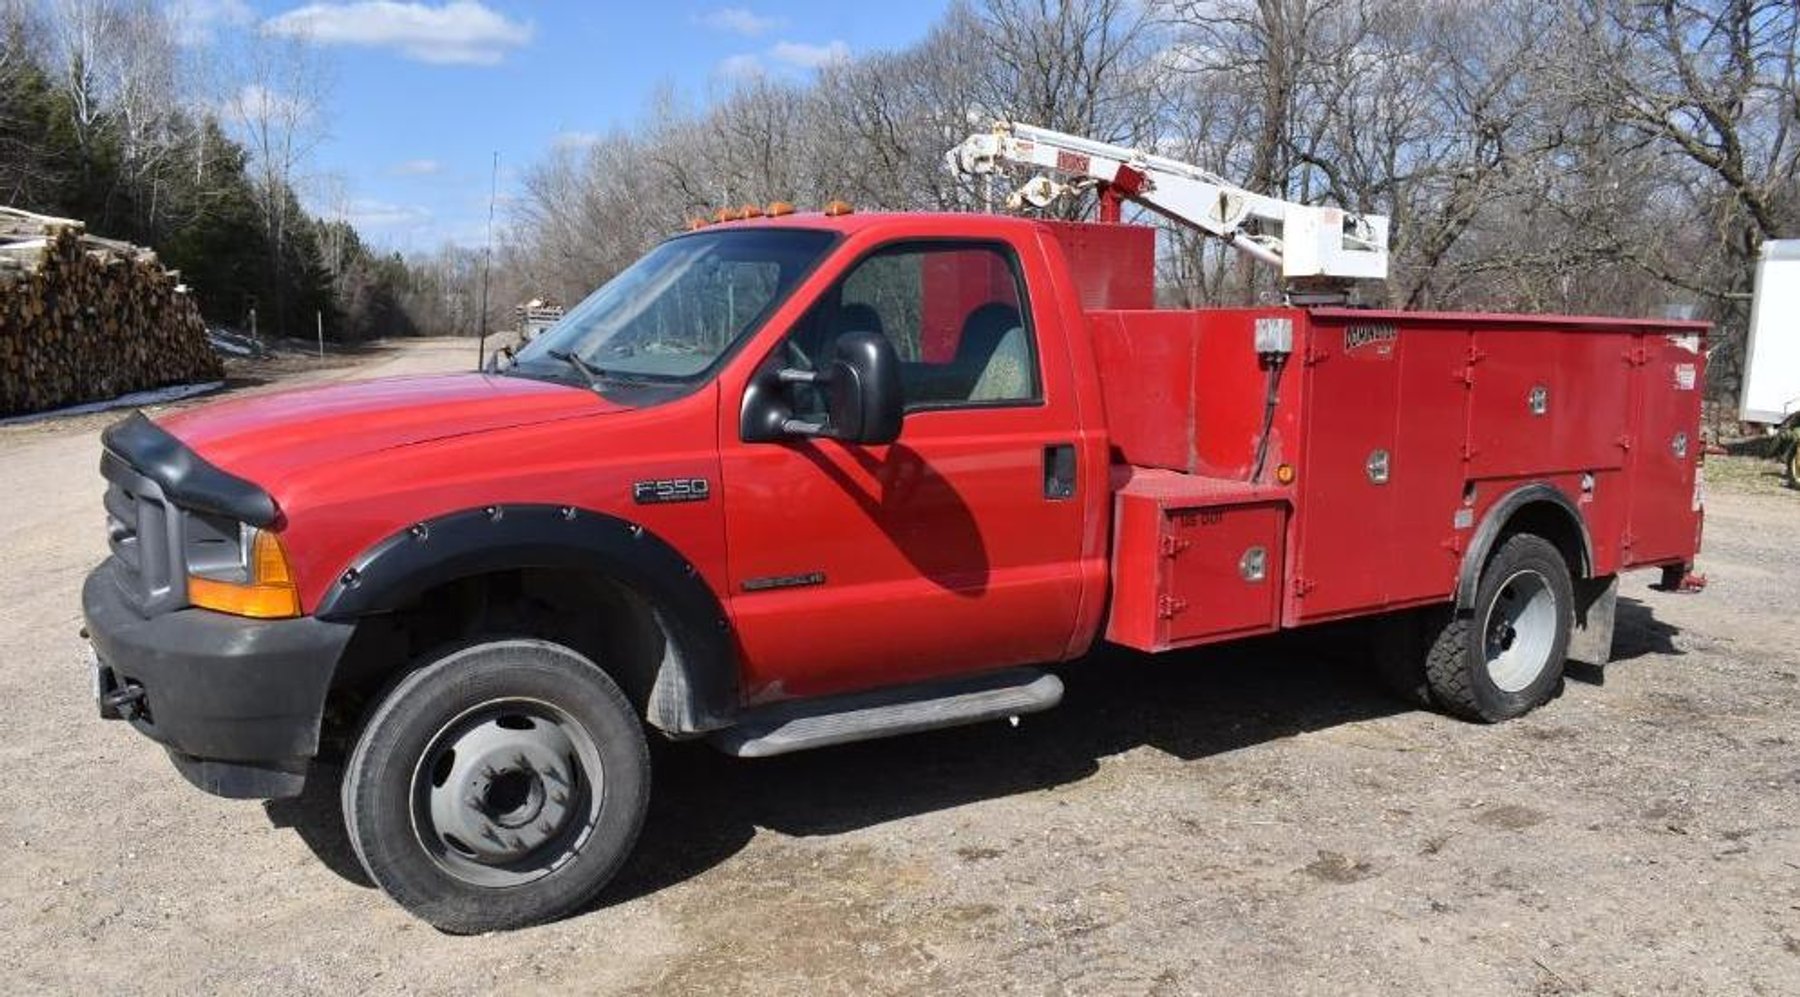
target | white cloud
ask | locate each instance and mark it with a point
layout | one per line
(195, 22)
(463, 32)
(740, 67)
(736, 20)
(785, 55)
(366, 214)
(417, 168)
(806, 56)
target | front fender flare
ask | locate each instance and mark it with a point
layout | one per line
(696, 689)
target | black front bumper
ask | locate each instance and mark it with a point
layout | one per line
(237, 702)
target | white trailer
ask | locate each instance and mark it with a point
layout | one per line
(1771, 392)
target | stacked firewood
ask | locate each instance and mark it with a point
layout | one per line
(84, 319)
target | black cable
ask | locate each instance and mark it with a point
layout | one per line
(1276, 361)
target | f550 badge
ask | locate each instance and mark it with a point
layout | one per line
(671, 490)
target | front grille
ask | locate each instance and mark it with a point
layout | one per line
(144, 534)
(122, 527)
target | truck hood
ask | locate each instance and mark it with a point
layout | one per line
(265, 438)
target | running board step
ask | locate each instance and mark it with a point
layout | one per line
(816, 723)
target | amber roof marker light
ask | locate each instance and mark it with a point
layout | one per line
(835, 208)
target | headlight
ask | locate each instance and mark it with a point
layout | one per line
(250, 577)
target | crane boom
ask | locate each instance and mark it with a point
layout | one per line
(1320, 250)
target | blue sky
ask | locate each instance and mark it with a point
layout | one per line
(423, 93)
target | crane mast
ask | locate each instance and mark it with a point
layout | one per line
(1321, 251)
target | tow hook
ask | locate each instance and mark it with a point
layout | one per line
(125, 702)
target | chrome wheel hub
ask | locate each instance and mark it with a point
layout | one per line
(1520, 631)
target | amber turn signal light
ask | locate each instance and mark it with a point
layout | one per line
(268, 595)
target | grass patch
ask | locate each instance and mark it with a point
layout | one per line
(1747, 474)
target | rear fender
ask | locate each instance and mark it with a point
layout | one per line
(1494, 526)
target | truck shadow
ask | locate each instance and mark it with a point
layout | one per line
(1192, 705)
(706, 806)
(911, 493)
(1189, 705)
(1636, 632)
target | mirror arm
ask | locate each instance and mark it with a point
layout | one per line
(793, 375)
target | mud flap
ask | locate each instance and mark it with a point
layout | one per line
(1591, 637)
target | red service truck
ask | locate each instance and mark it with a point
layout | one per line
(799, 479)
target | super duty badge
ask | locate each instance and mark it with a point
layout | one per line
(671, 490)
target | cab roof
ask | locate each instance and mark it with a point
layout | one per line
(927, 223)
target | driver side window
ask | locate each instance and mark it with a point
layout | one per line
(955, 313)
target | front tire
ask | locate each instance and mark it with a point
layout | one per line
(498, 785)
(1505, 657)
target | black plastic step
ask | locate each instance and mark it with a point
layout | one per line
(816, 723)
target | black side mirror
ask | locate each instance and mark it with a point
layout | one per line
(862, 389)
(864, 400)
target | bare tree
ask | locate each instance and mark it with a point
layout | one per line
(1591, 154)
(275, 107)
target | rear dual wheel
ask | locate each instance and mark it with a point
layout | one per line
(498, 785)
(1502, 658)
(1505, 657)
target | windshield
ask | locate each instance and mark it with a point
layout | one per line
(678, 309)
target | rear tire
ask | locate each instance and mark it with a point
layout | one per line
(498, 785)
(1505, 657)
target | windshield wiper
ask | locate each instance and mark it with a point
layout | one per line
(593, 374)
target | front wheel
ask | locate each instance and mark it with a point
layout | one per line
(1506, 656)
(498, 785)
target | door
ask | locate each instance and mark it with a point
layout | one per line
(953, 549)
(1665, 452)
(1348, 462)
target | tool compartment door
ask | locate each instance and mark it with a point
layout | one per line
(1665, 453)
(1346, 518)
(1223, 571)
(1195, 560)
(1546, 400)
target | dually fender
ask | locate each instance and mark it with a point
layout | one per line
(1494, 524)
(696, 688)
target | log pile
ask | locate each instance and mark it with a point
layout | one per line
(85, 319)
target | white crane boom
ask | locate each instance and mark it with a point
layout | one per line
(1319, 249)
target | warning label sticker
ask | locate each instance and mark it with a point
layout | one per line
(1685, 376)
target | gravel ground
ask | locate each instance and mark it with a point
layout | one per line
(1249, 819)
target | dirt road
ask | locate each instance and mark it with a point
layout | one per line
(1257, 819)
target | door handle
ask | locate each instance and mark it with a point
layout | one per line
(1059, 471)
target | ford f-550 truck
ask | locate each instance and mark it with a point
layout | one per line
(795, 481)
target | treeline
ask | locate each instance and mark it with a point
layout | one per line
(105, 118)
(1584, 155)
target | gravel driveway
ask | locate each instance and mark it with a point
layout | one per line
(1249, 819)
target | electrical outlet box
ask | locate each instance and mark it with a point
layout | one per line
(1275, 335)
